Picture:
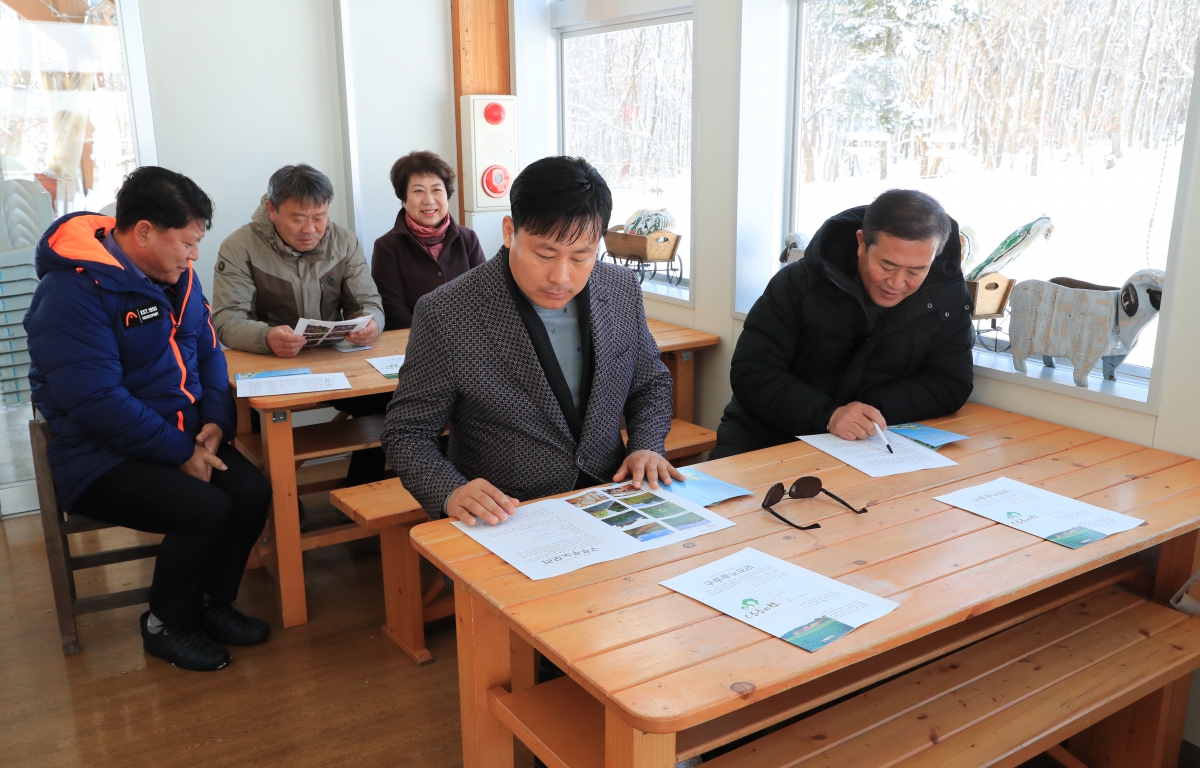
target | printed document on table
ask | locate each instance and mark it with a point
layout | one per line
(389, 366)
(270, 374)
(1056, 518)
(556, 536)
(792, 603)
(704, 490)
(291, 385)
(872, 457)
(324, 332)
(651, 518)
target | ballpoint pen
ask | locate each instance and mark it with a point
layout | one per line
(883, 433)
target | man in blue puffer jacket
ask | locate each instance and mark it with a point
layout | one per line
(126, 367)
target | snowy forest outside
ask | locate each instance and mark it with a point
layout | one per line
(1005, 110)
(627, 108)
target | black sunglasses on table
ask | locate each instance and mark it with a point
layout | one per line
(804, 488)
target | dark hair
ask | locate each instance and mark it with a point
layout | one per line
(166, 199)
(420, 164)
(299, 182)
(563, 198)
(908, 215)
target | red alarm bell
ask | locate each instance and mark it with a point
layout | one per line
(494, 113)
(496, 180)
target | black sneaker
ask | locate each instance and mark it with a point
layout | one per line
(229, 626)
(184, 648)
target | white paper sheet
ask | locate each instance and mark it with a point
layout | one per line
(292, 385)
(1056, 518)
(389, 366)
(872, 457)
(324, 332)
(804, 608)
(556, 536)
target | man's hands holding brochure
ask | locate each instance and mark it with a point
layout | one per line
(481, 500)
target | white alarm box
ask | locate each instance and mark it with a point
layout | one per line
(489, 151)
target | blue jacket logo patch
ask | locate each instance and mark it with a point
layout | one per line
(142, 315)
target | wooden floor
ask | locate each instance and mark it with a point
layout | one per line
(332, 692)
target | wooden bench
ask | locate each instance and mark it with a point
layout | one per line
(1002, 701)
(685, 442)
(387, 508)
(996, 689)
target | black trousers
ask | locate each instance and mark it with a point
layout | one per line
(369, 464)
(210, 527)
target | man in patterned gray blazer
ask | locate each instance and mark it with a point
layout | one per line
(531, 359)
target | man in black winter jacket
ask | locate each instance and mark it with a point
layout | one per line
(871, 327)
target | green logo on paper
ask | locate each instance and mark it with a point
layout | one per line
(1011, 515)
(749, 602)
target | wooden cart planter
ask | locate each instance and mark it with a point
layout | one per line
(989, 298)
(645, 254)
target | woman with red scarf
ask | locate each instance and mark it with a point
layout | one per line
(427, 247)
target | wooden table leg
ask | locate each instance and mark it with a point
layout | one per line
(627, 747)
(280, 457)
(1149, 732)
(524, 663)
(483, 662)
(682, 366)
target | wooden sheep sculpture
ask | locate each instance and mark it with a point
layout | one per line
(1081, 321)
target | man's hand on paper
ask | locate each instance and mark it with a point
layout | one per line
(209, 437)
(365, 336)
(480, 499)
(650, 465)
(202, 463)
(284, 342)
(855, 421)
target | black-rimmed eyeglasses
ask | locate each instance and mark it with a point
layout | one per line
(803, 488)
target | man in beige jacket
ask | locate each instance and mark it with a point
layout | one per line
(291, 262)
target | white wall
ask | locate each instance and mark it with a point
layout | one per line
(239, 89)
(403, 80)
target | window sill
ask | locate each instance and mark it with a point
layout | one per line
(671, 294)
(1126, 393)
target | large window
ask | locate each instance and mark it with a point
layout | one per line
(627, 108)
(66, 142)
(1005, 111)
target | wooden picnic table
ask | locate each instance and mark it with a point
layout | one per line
(655, 677)
(282, 547)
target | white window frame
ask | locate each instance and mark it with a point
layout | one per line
(1137, 388)
(580, 18)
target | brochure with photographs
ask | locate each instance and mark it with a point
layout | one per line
(555, 536)
(327, 332)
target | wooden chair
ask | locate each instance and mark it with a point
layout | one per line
(57, 526)
(387, 508)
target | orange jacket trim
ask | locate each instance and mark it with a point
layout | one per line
(75, 239)
(175, 347)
